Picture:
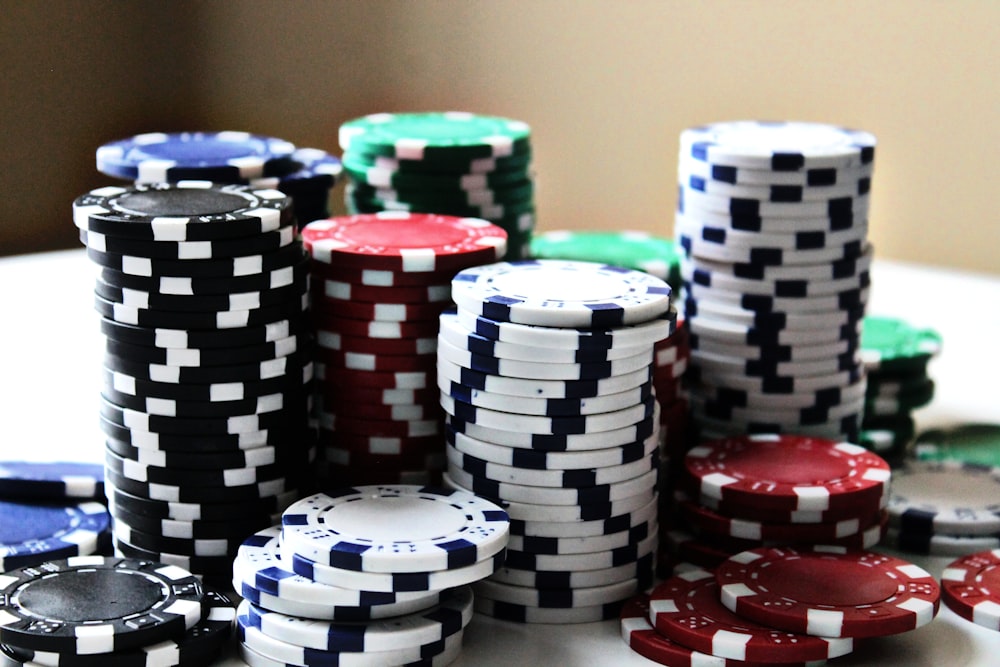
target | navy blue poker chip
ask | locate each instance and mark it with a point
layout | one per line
(51, 480)
(31, 534)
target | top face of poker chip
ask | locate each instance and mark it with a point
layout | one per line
(890, 343)
(33, 533)
(416, 136)
(561, 293)
(398, 528)
(631, 249)
(778, 146)
(51, 481)
(401, 241)
(788, 472)
(158, 157)
(828, 591)
(92, 604)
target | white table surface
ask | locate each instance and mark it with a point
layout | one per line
(49, 377)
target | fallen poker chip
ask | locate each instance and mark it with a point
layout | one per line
(945, 497)
(693, 593)
(970, 587)
(48, 480)
(889, 344)
(31, 534)
(575, 294)
(163, 602)
(804, 591)
(431, 529)
(450, 615)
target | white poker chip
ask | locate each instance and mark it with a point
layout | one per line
(561, 293)
(582, 545)
(566, 530)
(945, 498)
(641, 568)
(556, 598)
(581, 562)
(395, 529)
(813, 177)
(450, 649)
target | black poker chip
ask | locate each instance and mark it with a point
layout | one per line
(211, 320)
(174, 285)
(231, 267)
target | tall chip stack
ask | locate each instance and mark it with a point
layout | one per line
(773, 220)
(546, 376)
(203, 297)
(452, 163)
(379, 282)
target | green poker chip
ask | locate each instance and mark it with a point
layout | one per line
(891, 344)
(518, 192)
(358, 203)
(972, 443)
(378, 177)
(901, 403)
(426, 136)
(442, 164)
(637, 250)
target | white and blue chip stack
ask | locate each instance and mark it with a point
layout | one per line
(546, 376)
(203, 297)
(773, 220)
(368, 575)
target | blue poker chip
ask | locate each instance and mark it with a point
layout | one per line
(31, 534)
(224, 157)
(315, 169)
(51, 480)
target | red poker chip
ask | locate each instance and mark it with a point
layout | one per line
(345, 379)
(828, 591)
(674, 422)
(970, 587)
(647, 642)
(377, 277)
(379, 330)
(766, 515)
(408, 242)
(345, 456)
(363, 361)
(380, 312)
(379, 427)
(788, 472)
(332, 395)
(421, 445)
(331, 340)
(393, 413)
(337, 290)
(686, 609)
(689, 548)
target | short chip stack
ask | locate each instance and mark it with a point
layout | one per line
(546, 376)
(452, 163)
(203, 294)
(896, 356)
(92, 610)
(374, 575)
(761, 490)
(773, 219)
(305, 174)
(379, 283)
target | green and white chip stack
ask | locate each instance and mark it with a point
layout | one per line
(451, 163)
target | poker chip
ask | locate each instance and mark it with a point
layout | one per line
(818, 177)
(969, 588)
(31, 534)
(418, 136)
(694, 594)
(167, 600)
(263, 506)
(509, 611)
(940, 545)
(430, 529)
(438, 654)
(229, 267)
(887, 595)
(185, 339)
(221, 156)
(577, 294)
(555, 598)
(555, 546)
(51, 480)
(640, 569)
(892, 344)
(189, 250)
(951, 498)
(971, 443)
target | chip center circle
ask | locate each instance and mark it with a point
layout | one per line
(181, 202)
(828, 583)
(393, 233)
(79, 596)
(795, 466)
(395, 519)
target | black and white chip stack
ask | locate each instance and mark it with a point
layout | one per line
(203, 296)
(773, 220)
(373, 575)
(546, 376)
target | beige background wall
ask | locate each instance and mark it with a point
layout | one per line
(607, 85)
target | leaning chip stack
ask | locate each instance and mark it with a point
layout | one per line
(896, 357)
(119, 612)
(452, 163)
(761, 490)
(305, 174)
(773, 219)
(379, 283)
(203, 296)
(373, 575)
(546, 374)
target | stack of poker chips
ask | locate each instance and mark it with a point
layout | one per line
(379, 283)
(779, 605)
(374, 575)
(896, 356)
(545, 373)
(94, 610)
(305, 174)
(453, 163)
(50, 511)
(773, 219)
(203, 296)
(764, 490)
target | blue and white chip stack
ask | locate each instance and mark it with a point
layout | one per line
(773, 219)
(546, 373)
(372, 575)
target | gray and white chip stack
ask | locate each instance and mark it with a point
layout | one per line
(773, 221)
(368, 575)
(546, 376)
(203, 295)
